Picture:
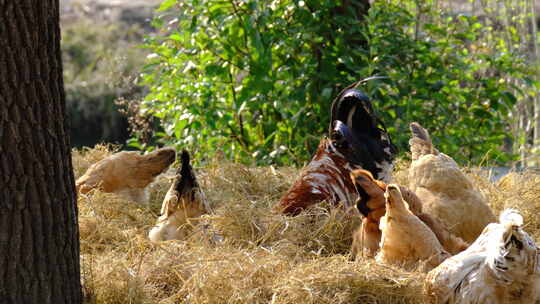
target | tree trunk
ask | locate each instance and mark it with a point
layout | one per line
(39, 237)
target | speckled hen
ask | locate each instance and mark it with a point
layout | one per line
(500, 267)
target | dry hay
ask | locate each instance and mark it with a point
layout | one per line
(522, 192)
(84, 158)
(244, 252)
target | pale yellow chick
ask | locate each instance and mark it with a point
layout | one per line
(406, 240)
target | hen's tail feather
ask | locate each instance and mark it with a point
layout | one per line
(186, 180)
(373, 150)
(511, 217)
(347, 104)
(420, 142)
(418, 131)
(185, 161)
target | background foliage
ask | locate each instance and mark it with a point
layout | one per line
(452, 73)
(250, 79)
(254, 80)
(102, 58)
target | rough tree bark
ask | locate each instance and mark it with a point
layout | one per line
(39, 238)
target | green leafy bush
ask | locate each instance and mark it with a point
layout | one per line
(254, 79)
(445, 76)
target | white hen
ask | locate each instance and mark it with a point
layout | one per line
(500, 267)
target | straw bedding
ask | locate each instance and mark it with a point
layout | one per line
(245, 252)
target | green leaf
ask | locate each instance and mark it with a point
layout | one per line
(175, 37)
(165, 5)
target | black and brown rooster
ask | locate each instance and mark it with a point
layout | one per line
(358, 139)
